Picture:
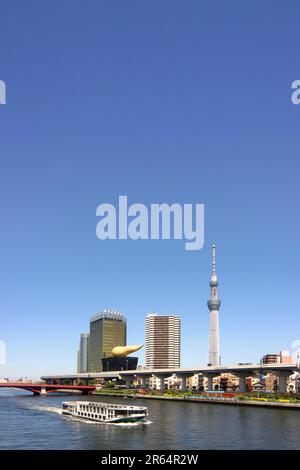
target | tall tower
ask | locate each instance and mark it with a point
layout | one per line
(214, 304)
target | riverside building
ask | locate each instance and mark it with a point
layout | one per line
(82, 357)
(107, 330)
(162, 341)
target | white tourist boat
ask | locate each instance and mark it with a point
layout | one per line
(105, 412)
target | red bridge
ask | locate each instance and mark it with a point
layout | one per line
(43, 389)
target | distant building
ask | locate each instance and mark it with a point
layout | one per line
(78, 362)
(162, 341)
(83, 353)
(253, 383)
(271, 358)
(193, 382)
(283, 357)
(113, 363)
(256, 387)
(227, 381)
(270, 382)
(294, 382)
(107, 330)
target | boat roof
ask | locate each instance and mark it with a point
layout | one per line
(106, 405)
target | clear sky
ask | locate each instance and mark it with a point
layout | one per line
(172, 101)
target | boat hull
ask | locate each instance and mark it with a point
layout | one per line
(123, 419)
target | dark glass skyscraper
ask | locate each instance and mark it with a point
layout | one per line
(107, 330)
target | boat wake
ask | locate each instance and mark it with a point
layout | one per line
(50, 409)
(139, 423)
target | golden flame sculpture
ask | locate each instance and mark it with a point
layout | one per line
(122, 351)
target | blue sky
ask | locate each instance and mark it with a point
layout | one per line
(163, 102)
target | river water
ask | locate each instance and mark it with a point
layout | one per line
(29, 422)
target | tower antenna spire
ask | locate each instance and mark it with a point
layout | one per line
(214, 259)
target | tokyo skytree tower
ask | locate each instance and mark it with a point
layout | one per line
(214, 304)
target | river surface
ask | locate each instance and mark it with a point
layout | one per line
(29, 422)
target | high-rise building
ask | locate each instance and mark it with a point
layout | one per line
(162, 341)
(107, 330)
(83, 353)
(214, 304)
